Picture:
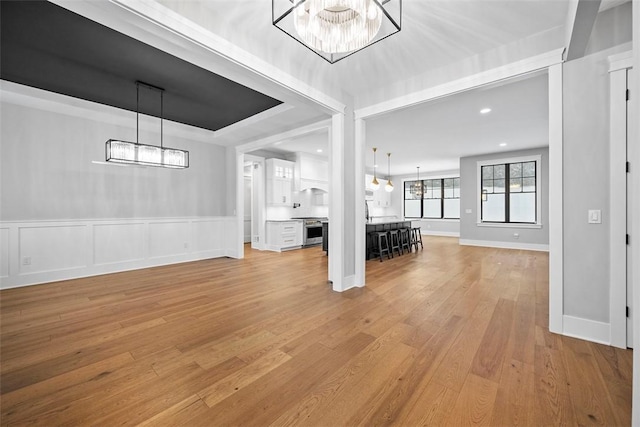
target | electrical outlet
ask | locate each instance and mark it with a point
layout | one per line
(516, 236)
(186, 245)
(26, 260)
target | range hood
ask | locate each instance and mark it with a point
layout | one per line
(311, 172)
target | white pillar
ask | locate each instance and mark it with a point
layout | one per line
(556, 250)
(346, 210)
(336, 204)
(360, 218)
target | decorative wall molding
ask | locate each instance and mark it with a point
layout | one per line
(505, 245)
(33, 252)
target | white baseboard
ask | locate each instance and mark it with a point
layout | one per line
(586, 329)
(440, 233)
(506, 245)
(348, 282)
(35, 252)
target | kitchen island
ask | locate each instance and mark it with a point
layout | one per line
(372, 225)
(382, 225)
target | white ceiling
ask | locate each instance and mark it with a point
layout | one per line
(435, 34)
(436, 134)
(440, 41)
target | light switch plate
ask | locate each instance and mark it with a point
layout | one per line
(595, 216)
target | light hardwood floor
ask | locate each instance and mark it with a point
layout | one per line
(449, 335)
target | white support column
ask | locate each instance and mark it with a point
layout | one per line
(360, 219)
(344, 225)
(556, 248)
(336, 205)
(238, 179)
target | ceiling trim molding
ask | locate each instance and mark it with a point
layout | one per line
(250, 121)
(38, 99)
(173, 22)
(294, 133)
(580, 20)
(620, 61)
(525, 66)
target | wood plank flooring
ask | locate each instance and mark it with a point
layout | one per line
(449, 335)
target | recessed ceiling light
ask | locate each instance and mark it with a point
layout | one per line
(485, 110)
(503, 144)
(319, 150)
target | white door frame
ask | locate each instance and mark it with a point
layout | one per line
(618, 66)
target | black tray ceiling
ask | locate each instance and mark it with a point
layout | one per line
(48, 47)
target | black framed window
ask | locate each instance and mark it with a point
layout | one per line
(432, 198)
(509, 193)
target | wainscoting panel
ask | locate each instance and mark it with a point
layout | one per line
(119, 242)
(168, 239)
(4, 252)
(33, 252)
(206, 236)
(52, 247)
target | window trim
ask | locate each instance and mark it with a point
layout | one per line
(478, 192)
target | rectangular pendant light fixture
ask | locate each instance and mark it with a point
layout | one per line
(149, 155)
(118, 151)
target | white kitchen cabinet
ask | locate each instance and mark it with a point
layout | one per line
(279, 182)
(284, 235)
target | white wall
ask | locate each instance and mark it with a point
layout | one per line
(46, 170)
(586, 181)
(63, 216)
(471, 233)
(586, 186)
(586, 167)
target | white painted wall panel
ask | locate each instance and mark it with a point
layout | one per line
(62, 250)
(168, 238)
(207, 236)
(4, 252)
(113, 243)
(52, 248)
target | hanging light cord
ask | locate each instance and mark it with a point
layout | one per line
(156, 88)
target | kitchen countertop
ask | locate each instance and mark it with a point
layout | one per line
(386, 221)
(282, 220)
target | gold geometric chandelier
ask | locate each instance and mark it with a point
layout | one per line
(335, 29)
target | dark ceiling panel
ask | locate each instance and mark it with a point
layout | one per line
(51, 48)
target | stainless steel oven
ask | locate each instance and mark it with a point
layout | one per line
(312, 231)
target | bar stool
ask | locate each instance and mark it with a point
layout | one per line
(381, 244)
(394, 240)
(416, 237)
(405, 239)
